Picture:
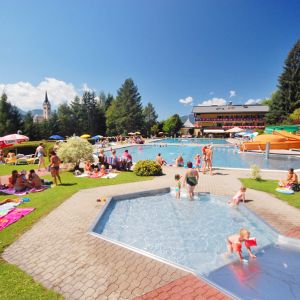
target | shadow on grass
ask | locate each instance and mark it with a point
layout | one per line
(68, 184)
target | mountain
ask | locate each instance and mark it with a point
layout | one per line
(184, 118)
(22, 112)
(34, 112)
(37, 112)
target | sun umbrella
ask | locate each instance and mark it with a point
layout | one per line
(96, 137)
(11, 139)
(56, 137)
(137, 133)
(235, 130)
(85, 136)
(131, 133)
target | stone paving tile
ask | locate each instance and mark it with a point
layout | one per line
(187, 287)
(59, 253)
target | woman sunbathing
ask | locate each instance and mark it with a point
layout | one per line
(292, 178)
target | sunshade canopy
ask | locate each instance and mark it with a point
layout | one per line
(56, 137)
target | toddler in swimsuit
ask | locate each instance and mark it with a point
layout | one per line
(234, 243)
(240, 195)
(178, 185)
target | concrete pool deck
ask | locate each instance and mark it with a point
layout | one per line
(59, 253)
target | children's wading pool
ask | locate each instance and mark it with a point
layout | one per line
(192, 235)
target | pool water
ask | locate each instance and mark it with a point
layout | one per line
(191, 234)
(202, 141)
(222, 156)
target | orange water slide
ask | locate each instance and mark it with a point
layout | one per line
(273, 146)
(288, 135)
(277, 142)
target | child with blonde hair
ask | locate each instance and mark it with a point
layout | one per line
(240, 195)
(234, 243)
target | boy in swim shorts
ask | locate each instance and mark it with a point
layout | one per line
(234, 243)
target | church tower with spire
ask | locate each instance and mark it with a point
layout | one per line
(46, 108)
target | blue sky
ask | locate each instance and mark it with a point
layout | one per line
(171, 49)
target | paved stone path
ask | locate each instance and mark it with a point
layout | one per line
(59, 253)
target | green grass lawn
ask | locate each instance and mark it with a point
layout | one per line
(16, 284)
(269, 186)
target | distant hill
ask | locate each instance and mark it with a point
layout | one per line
(33, 112)
(37, 112)
(22, 112)
(191, 116)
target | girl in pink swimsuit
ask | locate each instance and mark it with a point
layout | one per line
(240, 195)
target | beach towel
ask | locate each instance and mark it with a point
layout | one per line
(13, 216)
(82, 175)
(22, 193)
(7, 205)
(110, 175)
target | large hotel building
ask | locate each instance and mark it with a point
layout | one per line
(217, 119)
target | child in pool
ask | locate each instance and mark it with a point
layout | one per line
(198, 162)
(178, 185)
(234, 243)
(240, 195)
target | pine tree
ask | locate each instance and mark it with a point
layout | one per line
(289, 87)
(10, 118)
(150, 118)
(30, 128)
(127, 115)
(67, 122)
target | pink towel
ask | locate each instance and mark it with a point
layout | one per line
(13, 216)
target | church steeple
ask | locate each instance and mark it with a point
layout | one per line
(46, 107)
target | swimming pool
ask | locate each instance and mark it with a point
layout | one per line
(189, 233)
(192, 235)
(225, 157)
(202, 141)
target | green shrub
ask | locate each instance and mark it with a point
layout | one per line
(147, 168)
(255, 172)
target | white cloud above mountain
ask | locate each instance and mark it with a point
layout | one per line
(253, 101)
(213, 101)
(28, 96)
(187, 101)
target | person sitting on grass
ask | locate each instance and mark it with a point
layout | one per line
(13, 179)
(2, 160)
(34, 179)
(102, 171)
(292, 179)
(87, 167)
(22, 183)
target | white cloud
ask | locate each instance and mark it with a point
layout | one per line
(213, 101)
(187, 100)
(232, 94)
(27, 96)
(85, 88)
(253, 101)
